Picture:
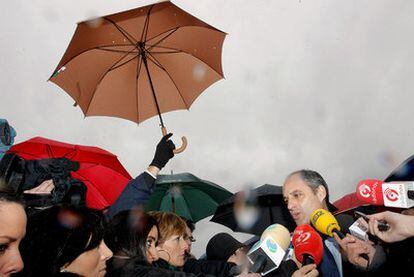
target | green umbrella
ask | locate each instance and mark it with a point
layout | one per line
(187, 196)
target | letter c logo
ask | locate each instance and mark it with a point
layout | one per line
(365, 191)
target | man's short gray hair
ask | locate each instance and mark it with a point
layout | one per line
(313, 179)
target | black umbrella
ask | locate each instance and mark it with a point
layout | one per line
(404, 172)
(271, 209)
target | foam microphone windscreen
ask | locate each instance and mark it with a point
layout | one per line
(325, 222)
(268, 253)
(370, 191)
(279, 233)
(307, 242)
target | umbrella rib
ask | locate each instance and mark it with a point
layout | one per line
(139, 66)
(128, 36)
(176, 28)
(185, 52)
(169, 76)
(124, 63)
(166, 52)
(172, 31)
(87, 50)
(116, 51)
(155, 61)
(189, 210)
(49, 151)
(103, 76)
(70, 153)
(146, 25)
(101, 198)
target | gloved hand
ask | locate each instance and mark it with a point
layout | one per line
(164, 152)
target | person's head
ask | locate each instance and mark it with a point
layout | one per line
(304, 191)
(132, 235)
(65, 239)
(189, 229)
(12, 230)
(223, 247)
(172, 245)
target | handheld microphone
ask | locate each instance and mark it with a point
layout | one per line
(353, 227)
(259, 264)
(326, 223)
(267, 254)
(308, 245)
(370, 191)
(393, 194)
(349, 226)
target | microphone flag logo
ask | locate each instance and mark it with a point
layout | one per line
(271, 245)
(304, 237)
(391, 194)
(365, 191)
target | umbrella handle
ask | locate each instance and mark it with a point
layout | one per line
(183, 140)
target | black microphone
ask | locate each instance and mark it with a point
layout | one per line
(346, 221)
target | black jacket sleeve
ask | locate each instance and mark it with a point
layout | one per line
(216, 268)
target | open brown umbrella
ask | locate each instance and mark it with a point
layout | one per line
(140, 63)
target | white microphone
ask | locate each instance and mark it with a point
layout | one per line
(269, 252)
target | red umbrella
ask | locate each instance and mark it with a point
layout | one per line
(348, 202)
(100, 170)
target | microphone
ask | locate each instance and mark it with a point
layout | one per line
(349, 226)
(393, 194)
(308, 245)
(259, 264)
(353, 227)
(267, 254)
(326, 223)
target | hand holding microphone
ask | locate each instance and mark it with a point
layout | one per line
(308, 248)
(308, 245)
(327, 224)
(400, 226)
(306, 271)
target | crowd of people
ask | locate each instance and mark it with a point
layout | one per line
(63, 237)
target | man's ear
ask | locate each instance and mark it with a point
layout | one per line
(321, 194)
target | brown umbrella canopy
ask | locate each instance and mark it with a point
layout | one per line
(103, 68)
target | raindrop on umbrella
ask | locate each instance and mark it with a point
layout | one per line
(199, 72)
(95, 22)
(175, 191)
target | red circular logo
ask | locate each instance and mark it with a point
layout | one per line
(391, 194)
(365, 191)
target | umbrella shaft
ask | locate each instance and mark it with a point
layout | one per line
(144, 59)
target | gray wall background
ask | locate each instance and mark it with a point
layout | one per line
(325, 85)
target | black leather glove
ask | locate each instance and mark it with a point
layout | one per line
(164, 152)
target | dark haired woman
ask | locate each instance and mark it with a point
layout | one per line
(12, 230)
(65, 241)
